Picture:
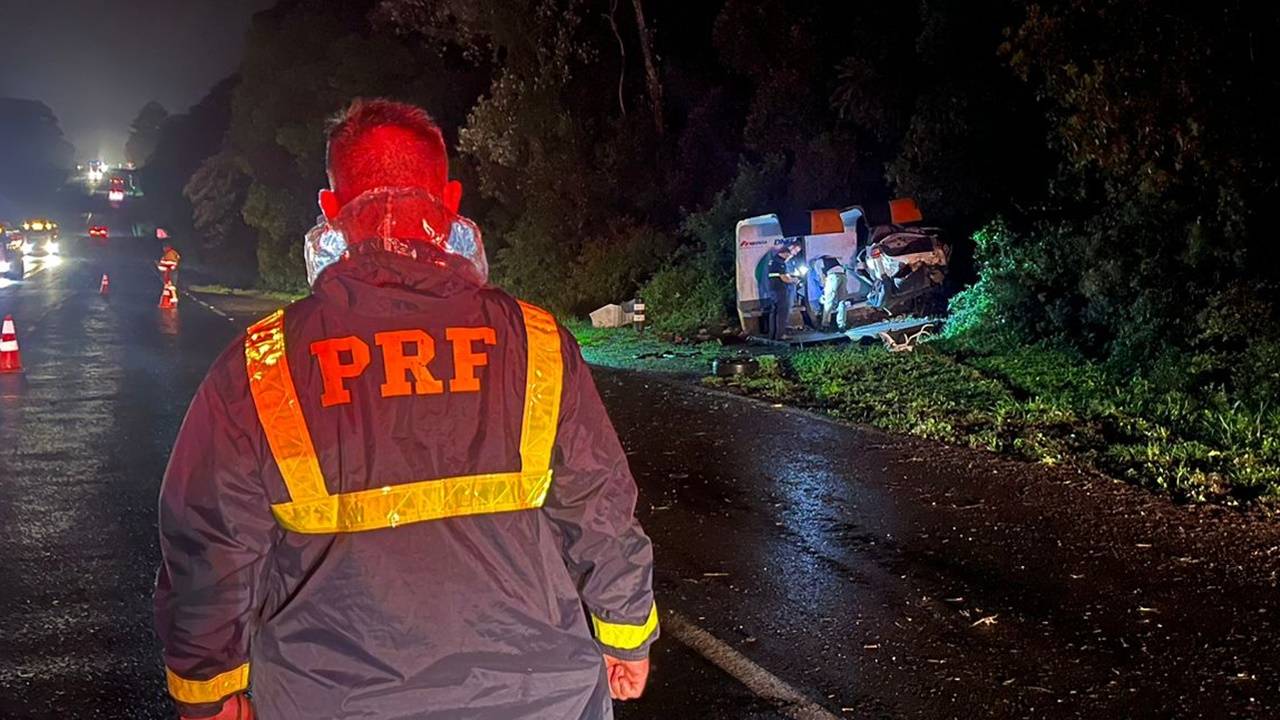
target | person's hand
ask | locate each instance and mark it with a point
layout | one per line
(626, 677)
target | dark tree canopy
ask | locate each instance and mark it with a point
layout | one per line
(144, 133)
(1113, 159)
(34, 156)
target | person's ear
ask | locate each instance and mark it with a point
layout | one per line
(452, 195)
(329, 204)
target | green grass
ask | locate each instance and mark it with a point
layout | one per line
(627, 349)
(247, 292)
(1045, 405)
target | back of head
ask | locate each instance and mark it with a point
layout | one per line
(382, 143)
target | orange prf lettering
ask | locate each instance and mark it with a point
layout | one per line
(396, 365)
(465, 358)
(334, 371)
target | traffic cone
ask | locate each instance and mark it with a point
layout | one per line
(105, 287)
(169, 297)
(10, 359)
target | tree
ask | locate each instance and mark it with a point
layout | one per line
(653, 82)
(34, 157)
(569, 172)
(305, 60)
(185, 141)
(217, 192)
(144, 133)
(1169, 165)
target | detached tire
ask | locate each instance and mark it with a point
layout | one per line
(734, 366)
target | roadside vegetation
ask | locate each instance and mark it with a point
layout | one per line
(1044, 404)
(215, 289)
(1109, 201)
(626, 349)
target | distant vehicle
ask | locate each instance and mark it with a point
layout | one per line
(40, 237)
(12, 263)
(116, 193)
(98, 231)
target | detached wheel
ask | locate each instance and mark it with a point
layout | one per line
(734, 366)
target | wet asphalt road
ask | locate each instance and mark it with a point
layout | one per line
(879, 577)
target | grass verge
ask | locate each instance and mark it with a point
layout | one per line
(1040, 403)
(246, 292)
(627, 349)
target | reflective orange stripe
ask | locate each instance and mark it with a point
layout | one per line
(543, 379)
(278, 408)
(196, 692)
(311, 509)
(395, 505)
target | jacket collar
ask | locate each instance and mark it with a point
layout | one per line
(373, 281)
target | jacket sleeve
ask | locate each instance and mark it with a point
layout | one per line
(592, 501)
(216, 528)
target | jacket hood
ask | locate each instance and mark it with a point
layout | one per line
(406, 222)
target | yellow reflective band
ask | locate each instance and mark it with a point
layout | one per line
(623, 636)
(311, 509)
(218, 687)
(543, 380)
(395, 505)
(279, 410)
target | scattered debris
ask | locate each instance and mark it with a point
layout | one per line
(909, 342)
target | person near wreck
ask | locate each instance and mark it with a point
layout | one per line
(401, 497)
(781, 289)
(833, 278)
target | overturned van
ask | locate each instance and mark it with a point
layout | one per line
(890, 265)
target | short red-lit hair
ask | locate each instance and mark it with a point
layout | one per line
(377, 143)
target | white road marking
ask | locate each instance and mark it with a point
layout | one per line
(215, 310)
(763, 683)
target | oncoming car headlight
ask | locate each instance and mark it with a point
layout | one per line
(28, 248)
(5, 266)
(51, 248)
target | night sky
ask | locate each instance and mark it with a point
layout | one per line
(96, 62)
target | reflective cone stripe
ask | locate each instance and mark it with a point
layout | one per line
(312, 509)
(105, 286)
(169, 296)
(10, 359)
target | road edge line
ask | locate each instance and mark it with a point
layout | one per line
(763, 683)
(207, 306)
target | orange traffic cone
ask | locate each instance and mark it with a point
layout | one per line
(169, 297)
(10, 359)
(105, 287)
